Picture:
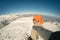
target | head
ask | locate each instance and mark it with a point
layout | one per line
(38, 20)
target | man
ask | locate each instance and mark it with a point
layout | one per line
(38, 31)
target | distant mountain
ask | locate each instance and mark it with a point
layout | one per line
(7, 19)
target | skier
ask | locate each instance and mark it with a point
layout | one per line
(38, 31)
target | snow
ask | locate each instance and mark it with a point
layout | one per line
(51, 27)
(17, 29)
(21, 28)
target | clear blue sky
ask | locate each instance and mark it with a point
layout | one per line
(16, 6)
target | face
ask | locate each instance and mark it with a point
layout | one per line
(37, 23)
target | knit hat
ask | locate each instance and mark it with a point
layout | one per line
(38, 18)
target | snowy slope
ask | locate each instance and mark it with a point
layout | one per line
(21, 28)
(17, 29)
(51, 27)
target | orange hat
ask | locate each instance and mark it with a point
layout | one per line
(38, 18)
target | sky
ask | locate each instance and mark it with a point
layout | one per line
(37, 6)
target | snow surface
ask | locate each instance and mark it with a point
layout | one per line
(17, 30)
(21, 28)
(51, 27)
